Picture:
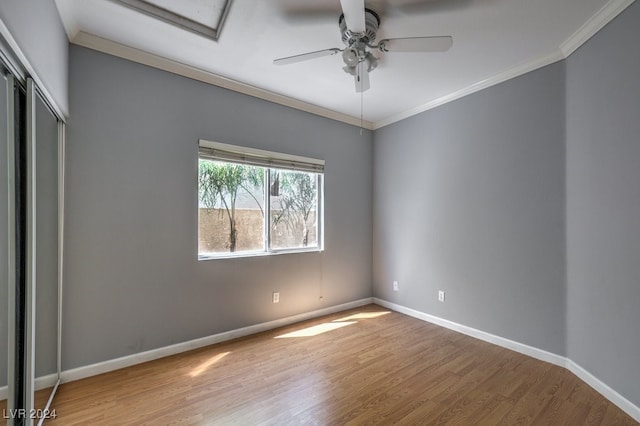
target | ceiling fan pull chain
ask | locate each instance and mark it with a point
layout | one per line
(361, 110)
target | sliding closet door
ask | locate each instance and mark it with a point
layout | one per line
(13, 141)
(4, 239)
(31, 164)
(46, 251)
(34, 359)
(13, 261)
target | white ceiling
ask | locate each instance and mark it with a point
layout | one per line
(493, 40)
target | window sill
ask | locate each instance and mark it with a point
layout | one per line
(217, 256)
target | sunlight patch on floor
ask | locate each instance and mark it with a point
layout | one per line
(315, 329)
(208, 363)
(363, 315)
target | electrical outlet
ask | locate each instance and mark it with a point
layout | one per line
(395, 286)
(275, 297)
(441, 296)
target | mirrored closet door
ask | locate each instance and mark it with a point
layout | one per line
(45, 330)
(4, 246)
(31, 172)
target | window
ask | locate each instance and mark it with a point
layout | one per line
(257, 202)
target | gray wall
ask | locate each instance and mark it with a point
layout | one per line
(38, 30)
(469, 198)
(133, 283)
(603, 205)
(523, 205)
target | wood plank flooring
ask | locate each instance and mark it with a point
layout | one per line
(364, 366)
(39, 400)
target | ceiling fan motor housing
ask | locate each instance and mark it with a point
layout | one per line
(357, 58)
(372, 22)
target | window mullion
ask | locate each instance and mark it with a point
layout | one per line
(319, 211)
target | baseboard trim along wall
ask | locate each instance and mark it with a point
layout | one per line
(478, 334)
(40, 383)
(625, 405)
(129, 360)
(598, 385)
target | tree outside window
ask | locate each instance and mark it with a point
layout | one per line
(294, 208)
(232, 208)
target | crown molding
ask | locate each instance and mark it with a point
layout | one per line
(601, 18)
(516, 71)
(113, 48)
(605, 15)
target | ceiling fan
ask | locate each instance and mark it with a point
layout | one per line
(358, 27)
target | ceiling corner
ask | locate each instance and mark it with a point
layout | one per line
(68, 18)
(609, 11)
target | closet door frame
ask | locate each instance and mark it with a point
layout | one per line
(31, 274)
(11, 236)
(15, 75)
(31, 241)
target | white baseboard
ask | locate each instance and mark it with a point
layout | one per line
(40, 383)
(625, 405)
(478, 334)
(602, 388)
(129, 360)
(126, 361)
(46, 381)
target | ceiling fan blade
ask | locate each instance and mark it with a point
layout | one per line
(353, 11)
(416, 44)
(306, 56)
(411, 7)
(362, 78)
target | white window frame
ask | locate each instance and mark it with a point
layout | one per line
(269, 160)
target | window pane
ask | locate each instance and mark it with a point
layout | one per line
(231, 208)
(294, 207)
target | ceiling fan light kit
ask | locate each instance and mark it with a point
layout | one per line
(358, 28)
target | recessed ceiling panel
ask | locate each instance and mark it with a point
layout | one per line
(203, 17)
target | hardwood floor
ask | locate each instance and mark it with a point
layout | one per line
(364, 366)
(39, 400)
